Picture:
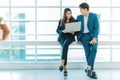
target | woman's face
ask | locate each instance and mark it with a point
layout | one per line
(68, 14)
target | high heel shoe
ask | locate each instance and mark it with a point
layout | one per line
(65, 73)
(61, 68)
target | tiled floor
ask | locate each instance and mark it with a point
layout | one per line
(56, 75)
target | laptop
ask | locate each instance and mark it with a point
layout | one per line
(75, 26)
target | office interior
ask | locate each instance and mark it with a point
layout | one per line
(31, 51)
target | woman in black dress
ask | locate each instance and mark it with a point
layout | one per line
(65, 39)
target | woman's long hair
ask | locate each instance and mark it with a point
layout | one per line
(64, 19)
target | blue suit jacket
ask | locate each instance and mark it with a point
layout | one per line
(93, 25)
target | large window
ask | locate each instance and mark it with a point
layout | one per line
(38, 19)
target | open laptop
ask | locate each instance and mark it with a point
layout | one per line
(75, 26)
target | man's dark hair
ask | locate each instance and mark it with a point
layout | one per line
(84, 6)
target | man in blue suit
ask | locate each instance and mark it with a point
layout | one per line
(88, 37)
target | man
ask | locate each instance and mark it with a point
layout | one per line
(88, 36)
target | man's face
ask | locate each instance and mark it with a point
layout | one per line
(83, 11)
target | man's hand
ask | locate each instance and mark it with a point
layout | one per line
(94, 41)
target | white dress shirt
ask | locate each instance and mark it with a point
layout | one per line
(85, 24)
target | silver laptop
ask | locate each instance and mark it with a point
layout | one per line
(75, 26)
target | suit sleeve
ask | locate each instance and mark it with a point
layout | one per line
(59, 28)
(96, 27)
(78, 32)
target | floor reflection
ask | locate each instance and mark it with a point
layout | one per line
(56, 75)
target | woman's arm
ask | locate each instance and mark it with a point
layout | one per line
(59, 28)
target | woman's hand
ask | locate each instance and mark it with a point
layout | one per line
(78, 42)
(72, 32)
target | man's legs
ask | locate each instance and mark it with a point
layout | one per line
(90, 53)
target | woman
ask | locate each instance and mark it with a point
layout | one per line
(65, 39)
(4, 29)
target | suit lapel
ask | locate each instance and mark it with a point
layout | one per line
(88, 22)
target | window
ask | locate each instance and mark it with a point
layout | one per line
(22, 3)
(115, 3)
(48, 13)
(38, 19)
(5, 13)
(22, 14)
(115, 28)
(99, 3)
(46, 3)
(116, 12)
(72, 2)
(49, 27)
(116, 55)
(4, 3)
(103, 12)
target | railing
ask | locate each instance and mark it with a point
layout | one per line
(19, 42)
(35, 65)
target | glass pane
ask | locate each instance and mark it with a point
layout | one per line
(23, 14)
(30, 55)
(4, 55)
(116, 12)
(22, 2)
(116, 55)
(4, 13)
(104, 27)
(23, 27)
(116, 37)
(18, 54)
(48, 46)
(48, 13)
(76, 55)
(30, 46)
(23, 37)
(104, 46)
(48, 3)
(47, 38)
(116, 28)
(30, 38)
(30, 28)
(115, 46)
(99, 3)
(48, 51)
(104, 37)
(103, 12)
(101, 58)
(72, 2)
(47, 27)
(115, 3)
(48, 55)
(18, 27)
(4, 3)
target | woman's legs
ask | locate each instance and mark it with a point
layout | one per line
(65, 52)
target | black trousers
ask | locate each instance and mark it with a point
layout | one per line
(65, 45)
